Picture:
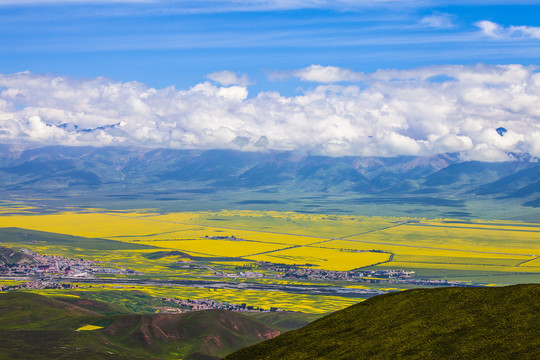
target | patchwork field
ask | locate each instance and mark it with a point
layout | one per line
(329, 242)
(328, 259)
(314, 304)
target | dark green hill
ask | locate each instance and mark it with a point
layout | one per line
(24, 236)
(38, 327)
(284, 320)
(209, 334)
(163, 254)
(19, 310)
(444, 323)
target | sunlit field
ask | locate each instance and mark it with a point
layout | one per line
(328, 259)
(315, 304)
(329, 242)
(89, 328)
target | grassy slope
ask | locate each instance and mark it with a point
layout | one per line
(25, 236)
(194, 335)
(447, 323)
(39, 327)
(285, 320)
(31, 311)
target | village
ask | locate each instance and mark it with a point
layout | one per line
(207, 304)
(55, 267)
(37, 285)
(320, 274)
(388, 276)
(52, 266)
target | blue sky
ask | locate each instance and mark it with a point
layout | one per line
(343, 77)
(177, 43)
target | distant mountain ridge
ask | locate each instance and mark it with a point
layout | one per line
(124, 171)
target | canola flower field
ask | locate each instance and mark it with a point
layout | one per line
(330, 242)
(235, 238)
(89, 328)
(313, 304)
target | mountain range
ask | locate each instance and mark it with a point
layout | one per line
(265, 178)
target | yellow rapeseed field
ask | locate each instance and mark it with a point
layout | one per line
(534, 262)
(89, 328)
(314, 304)
(328, 259)
(95, 225)
(293, 238)
(209, 247)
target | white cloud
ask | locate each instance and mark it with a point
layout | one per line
(526, 31)
(479, 73)
(227, 78)
(490, 29)
(395, 112)
(497, 31)
(437, 20)
(321, 74)
(485, 152)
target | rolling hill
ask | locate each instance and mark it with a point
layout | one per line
(443, 323)
(39, 327)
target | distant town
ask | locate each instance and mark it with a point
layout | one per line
(37, 285)
(389, 276)
(47, 271)
(51, 266)
(206, 304)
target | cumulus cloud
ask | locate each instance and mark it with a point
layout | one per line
(227, 78)
(319, 73)
(490, 29)
(419, 111)
(494, 30)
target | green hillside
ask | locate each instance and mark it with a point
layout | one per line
(284, 320)
(20, 311)
(443, 323)
(38, 327)
(26, 236)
